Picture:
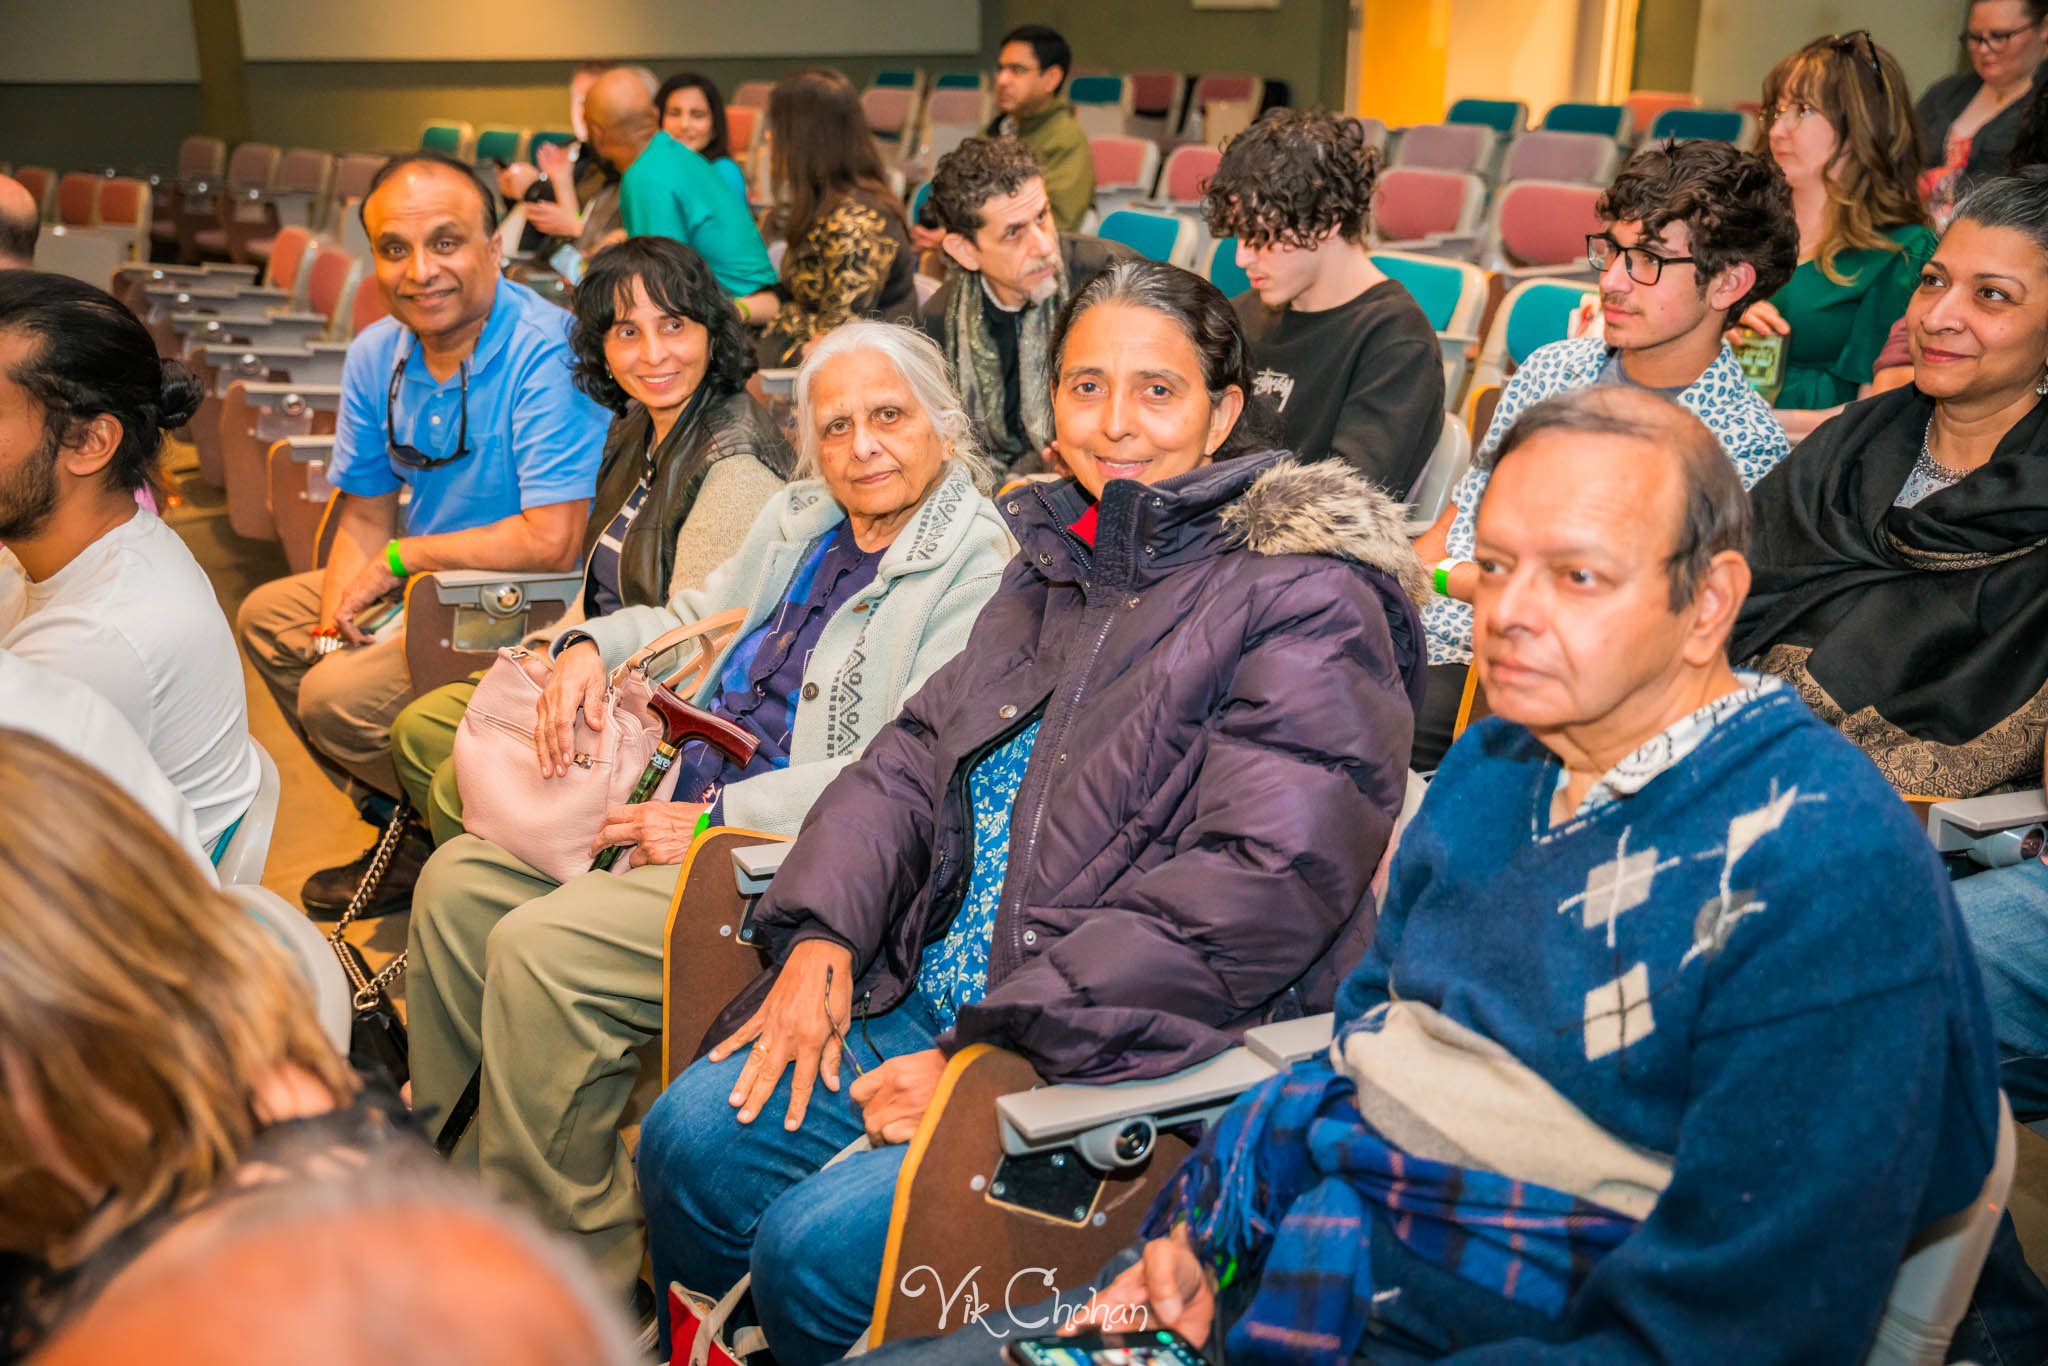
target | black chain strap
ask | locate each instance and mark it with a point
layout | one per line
(367, 989)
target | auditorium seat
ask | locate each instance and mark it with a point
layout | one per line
(1447, 463)
(907, 78)
(1375, 133)
(1463, 147)
(1416, 205)
(247, 846)
(1161, 236)
(1507, 118)
(961, 80)
(888, 110)
(1125, 169)
(1156, 100)
(450, 137)
(740, 124)
(125, 204)
(1102, 104)
(542, 137)
(327, 987)
(1645, 105)
(1452, 295)
(1583, 158)
(39, 181)
(305, 176)
(1713, 125)
(1542, 225)
(752, 94)
(1224, 271)
(1608, 120)
(1238, 97)
(199, 158)
(1186, 173)
(501, 144)
(1536, 312)
(953, 114)
(78, 199)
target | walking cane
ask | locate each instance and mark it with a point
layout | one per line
(680, 724)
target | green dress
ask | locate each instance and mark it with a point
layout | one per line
(1839, 329)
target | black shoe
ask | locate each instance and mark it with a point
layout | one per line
(327, 893)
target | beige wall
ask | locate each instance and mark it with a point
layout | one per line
(1298, 41)
(1740, 40)
(547, 30)
(1517, 49)
(59, 42)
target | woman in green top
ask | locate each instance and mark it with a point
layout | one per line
(1840, 124)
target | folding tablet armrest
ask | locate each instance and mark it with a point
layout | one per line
(1114, 1125)
(315, 363)
(157, 273)
(290, 397)
(1292, 1041)
(458, 619)
(229, 272)
(754, 866)
(275, 330)
(1994, 831)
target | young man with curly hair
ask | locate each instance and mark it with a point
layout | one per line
(1695, 232)
(1342, 353)
(1013, 270)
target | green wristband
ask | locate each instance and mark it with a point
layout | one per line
(703, 824)
(1443, 580)
(391, 558)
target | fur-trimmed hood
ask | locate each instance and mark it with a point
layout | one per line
(1327, 508)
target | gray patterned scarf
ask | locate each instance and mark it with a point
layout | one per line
(979, 371)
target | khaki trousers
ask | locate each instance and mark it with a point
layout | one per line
(552, 985)
(341, 706)
(423, 749)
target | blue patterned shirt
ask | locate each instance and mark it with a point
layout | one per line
(956, 973)
(1735, 413)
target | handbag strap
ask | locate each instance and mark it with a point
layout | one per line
(748, 1341)
(366, 988)
(710, 634)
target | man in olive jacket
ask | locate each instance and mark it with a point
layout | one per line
(1031, 70)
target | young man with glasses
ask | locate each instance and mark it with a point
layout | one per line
(464, 396)
(1695, 232)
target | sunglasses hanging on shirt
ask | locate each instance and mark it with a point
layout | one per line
(412, 457)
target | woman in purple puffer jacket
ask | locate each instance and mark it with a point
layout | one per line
(1137, 815)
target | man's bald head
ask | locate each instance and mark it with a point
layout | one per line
(1715, 515)
(620, 113)
(354, 1264)
(19, 221)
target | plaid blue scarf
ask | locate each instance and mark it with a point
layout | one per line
(1292, 1172)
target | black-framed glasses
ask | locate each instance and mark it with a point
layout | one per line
(1991, 40)
(1644, 266)
(412, 457)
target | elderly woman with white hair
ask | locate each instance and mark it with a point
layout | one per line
(858, 581)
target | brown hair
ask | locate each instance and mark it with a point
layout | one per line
(138, 1009)
(822, 149)
(1859, 88)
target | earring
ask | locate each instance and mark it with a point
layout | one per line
(2041, 384)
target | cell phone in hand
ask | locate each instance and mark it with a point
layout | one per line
(568, 263)
(1155, 1347)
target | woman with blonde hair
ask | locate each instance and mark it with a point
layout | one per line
(1839, 122)
(156, 1044)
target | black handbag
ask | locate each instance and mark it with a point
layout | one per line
(376, 1041)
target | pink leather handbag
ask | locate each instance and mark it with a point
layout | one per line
(550, 822)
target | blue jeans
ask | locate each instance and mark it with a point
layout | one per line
(2006, 911)
(724, 1199)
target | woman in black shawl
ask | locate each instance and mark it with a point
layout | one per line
(1901, 553)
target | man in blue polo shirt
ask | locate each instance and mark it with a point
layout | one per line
(463, 395)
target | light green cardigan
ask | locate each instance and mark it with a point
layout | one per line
(872, 655)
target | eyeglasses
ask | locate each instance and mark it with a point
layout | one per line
(1991, 40)
(1794, 112)
(1644, 266)
(412, 457)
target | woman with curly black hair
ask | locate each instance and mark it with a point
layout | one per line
(687, 465)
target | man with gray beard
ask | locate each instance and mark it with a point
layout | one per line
(1012, 272)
